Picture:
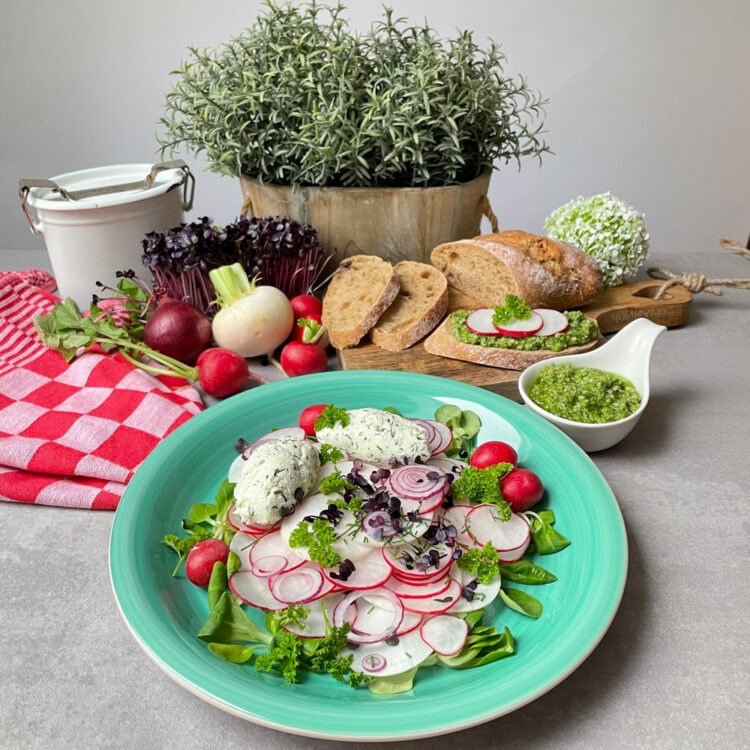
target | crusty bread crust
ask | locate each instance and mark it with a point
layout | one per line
(443, 343)
(542, 271)
(420, 305)
(362, 288)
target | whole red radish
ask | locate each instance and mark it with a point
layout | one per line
(305, 305)
(308, 416)
(221, 372)
(522, 489)
(178, 329)
(302, 359)
(310, 330)
(493, 452)
(201, 558)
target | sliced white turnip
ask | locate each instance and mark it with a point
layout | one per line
(480, 322)
(299, 586)
(394, 610)
(519, 328)
(252, 590)
(445, 634)
(553, 321)
(385, 660)
(510, 538)
(434, 605)
(370, 572)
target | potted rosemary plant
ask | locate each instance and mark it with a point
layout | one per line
(315, 118)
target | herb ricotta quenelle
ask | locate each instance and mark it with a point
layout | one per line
(275, 476)
(376, 436)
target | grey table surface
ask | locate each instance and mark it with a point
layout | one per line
(673, 671)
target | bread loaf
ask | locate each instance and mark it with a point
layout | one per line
(362, 288)
(443, 343)
(420, 305)
(542, 271)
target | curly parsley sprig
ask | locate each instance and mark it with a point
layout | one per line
(482, 486)
(514, 309)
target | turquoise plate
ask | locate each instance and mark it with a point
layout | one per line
(165, 613)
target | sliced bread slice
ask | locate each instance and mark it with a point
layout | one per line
(420, 305)
(363, 287)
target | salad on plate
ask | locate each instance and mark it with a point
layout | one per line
(368, 545)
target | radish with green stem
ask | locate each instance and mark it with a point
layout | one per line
(253, 320)
(219, 372)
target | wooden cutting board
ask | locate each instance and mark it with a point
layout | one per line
(612, 310)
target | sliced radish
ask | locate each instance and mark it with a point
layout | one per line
(480, 322)
(408, 566)
(510, 538)
(456, 516)
(370, 572)
(386, 659)
(233, 517)
(418, 590)
(298, 586)
(445, 634)
(272, 545)
(252, 590)
(396, 615)
(483, 593)
(319, 615)
(270, 565)
(435, 605)
(448, 465)
(553, 321)
(520, 328)
(241, 545)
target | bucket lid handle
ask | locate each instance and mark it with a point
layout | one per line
(187, 182)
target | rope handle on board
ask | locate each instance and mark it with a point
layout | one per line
(697, 282)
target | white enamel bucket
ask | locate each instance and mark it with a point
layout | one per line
(94, 220)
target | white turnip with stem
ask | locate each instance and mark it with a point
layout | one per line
(253, 320)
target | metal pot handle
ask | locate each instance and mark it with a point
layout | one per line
(187, 182)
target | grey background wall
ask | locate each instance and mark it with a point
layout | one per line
(647, 99)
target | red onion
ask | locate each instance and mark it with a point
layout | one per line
(178, 329)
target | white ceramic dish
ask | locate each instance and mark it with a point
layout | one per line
(627, 353)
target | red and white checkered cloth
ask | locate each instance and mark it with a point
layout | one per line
(73, 434)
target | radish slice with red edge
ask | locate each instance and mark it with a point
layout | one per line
(234, 520)
(319, 615)
(252, 590)
(553, 321)
(435, 605)
(369, 573)
(298, 586)
(445, 634)
(519, 328)
(510, 538)
(474, 594)
(396, 616)
(480, 322)
(272, 544)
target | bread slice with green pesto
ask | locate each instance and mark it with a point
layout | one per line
(420, 305)
(361, 290)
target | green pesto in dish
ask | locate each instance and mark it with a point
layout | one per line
(584, 394)
(580, 330)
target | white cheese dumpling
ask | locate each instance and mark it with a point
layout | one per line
(376, 436)
(274, 477)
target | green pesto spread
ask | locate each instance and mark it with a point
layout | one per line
(584, 394)
(580, 330)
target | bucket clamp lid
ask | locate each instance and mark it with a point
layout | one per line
(187, 182)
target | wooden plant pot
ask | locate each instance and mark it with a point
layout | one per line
(393, 223)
